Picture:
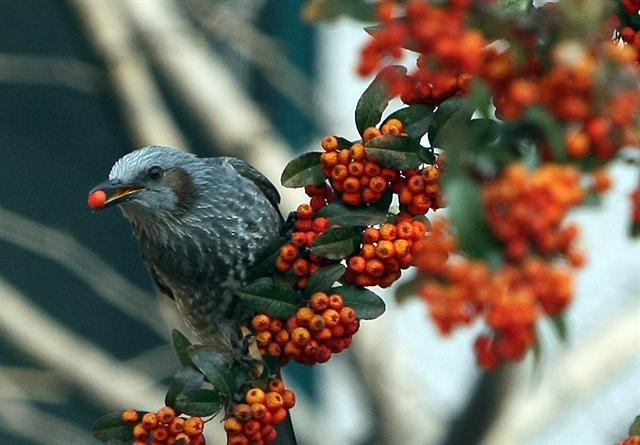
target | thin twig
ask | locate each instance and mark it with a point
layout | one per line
(84, 264)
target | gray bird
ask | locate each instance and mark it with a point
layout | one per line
(202, 223)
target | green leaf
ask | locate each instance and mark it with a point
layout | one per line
(303, 170)
(110, 427)
(323, 279)
(265, 264)
(215, 368)
(185, 380)
(343, 143)
(399, 152)
(467, 214)
(452, 115)
(367, 304)
(559, 325)
(384, 202)
(264, 295)
(484, 131)
(342, 215)
(319, 10)
(634, 429)
(199, 402)
(337, 243)
(551, 129)
(416, 119)
(406, 290)
(375, 99)
(180, 345)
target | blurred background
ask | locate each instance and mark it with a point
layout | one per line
(82, 82)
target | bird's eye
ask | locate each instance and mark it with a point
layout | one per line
(155, 173)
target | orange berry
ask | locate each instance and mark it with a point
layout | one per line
(279, 416)
(354, 199)
(404, 230)
(140, 432)
(578, 144)
(275, 349)
(289, 252)
(97, 199)
(339, 173)
(130, 416)
(378, 184)
(372, 169)
(405, 196)
(388, 232)
(160, 434)
(356, 169)
(193, 426)
(258, 411)
(288, 399)
(238, 439)
(274, 401)
(401, 246)
(317, 323)
(177, 426)
(351, 185)
(260, 322)
(251, 427)
(368, 251)
(416, 184)
(336, 302)
(430, 174)
(320, 225)
(319, 301)
(389, 174)
(276, 385)
(300, 267)
(323, 334)
(370, 195)
(329, 159)
(255, 395)
(393, 126)
(331, 317)
(299, 239)
(419, 229)
(358, 152)
(300, 336)
(231, 426)
(275, 326)
(337, 332)
(165, 415)
(304, 211)
(149, 421)
(330, 143)
(323, 354)
(269, 434)
(304, 314)
(292, 350)
(385, 249)
(282, 265)
(371, 235)
(370, 133)
(375, 267)
(344, 157)
(347, 315)
(317, 202)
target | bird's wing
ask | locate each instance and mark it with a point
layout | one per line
(166, 290)
(253, 175)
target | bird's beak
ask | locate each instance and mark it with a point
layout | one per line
(110, 193)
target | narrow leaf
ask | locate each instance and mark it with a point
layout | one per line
(323, 279)
(199, 402)
(264, 295)
(450, 116)
(110, 427)
(559, 325)
(551, 129)
(180, 345)
(416, 119)
(303, 170)
(367, 304)
(342, 215)
(215, 368)
(375, 98)
(399, 152)
(337, 243)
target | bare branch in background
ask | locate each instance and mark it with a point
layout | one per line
(23, 419)
(223, 24)
(84, 264)
(144, 109)
(576, 375)
(220, 105)
(37, 385)
(50, 71)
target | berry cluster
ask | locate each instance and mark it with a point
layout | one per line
(450, 51)
(631, 440)
(525, 210)
(252, 422)
(385, 252)
(295, 255)
(419, 189)
(312, 335)
(164, 427)
(358, 178)
(510, 300)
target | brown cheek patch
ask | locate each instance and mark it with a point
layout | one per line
(182, 185)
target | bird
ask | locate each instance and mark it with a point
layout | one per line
(201, 224)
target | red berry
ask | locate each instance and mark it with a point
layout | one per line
(97, 199)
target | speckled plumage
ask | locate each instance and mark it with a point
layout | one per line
(200, 227)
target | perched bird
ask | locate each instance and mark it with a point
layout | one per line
(202, 223)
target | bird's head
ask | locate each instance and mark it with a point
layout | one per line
(152, 182)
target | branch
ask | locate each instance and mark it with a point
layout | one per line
(144, 109)
(50, 70)
(84, 264)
